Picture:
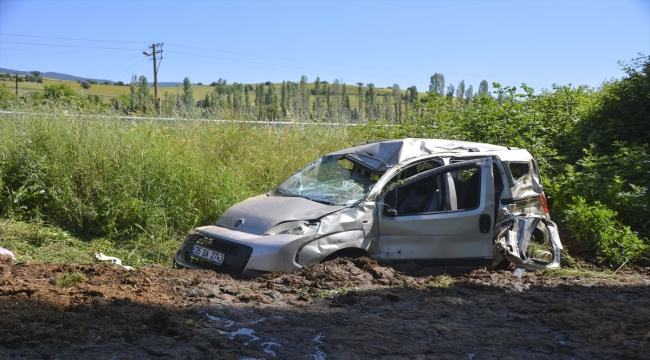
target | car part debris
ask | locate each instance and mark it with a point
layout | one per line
(112, 259)
(4, 251)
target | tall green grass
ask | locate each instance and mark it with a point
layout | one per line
(136, 188)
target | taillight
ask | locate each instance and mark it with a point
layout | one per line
(542, 199)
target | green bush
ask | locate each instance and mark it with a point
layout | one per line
(619, 181)
(596, 227)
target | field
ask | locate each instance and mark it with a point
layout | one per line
(108, 92)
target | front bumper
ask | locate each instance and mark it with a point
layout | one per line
(245, 254)
(235, 259)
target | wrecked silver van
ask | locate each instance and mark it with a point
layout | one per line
(444, 201)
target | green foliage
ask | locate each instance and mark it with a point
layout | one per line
(187, 97)
(61, 92)
(619, 181)
(85, 85)
(141, 186)
(596, 227)
(621, 111)
(70, 279)
(6, 96)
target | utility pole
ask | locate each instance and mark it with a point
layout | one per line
(156, 65)
(16, 84)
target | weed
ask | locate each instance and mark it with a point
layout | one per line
(443, 281)
(70, 279)
(328, 294)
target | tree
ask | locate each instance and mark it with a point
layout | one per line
(85, 85)
(187, 97)
(483, 89)
(437, 84)
(303, 102)
(397, 102)
(622, 111)
(133, 92)
(317, 99)
(371, 101)
(119, 83)
(247, 99)
(413, 94)
(360, 96)
(284, 102)
(469, 94)
(460, 90)
(35, 73)
(451, 89)
(144, 98)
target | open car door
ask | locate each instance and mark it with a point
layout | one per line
(444, 214)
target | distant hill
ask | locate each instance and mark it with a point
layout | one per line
(59, 76)
(53, 75)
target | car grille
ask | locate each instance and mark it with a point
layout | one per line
(236, 255)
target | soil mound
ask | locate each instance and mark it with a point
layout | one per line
(341, 308)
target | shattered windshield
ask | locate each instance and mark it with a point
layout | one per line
(330, 180)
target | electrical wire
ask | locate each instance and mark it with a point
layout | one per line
(134, 67)
(244, 61)
(77, 39)
(130, 58)
(71, 46)
(60, 52)
(252, 55)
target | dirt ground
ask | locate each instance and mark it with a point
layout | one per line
(337, 310)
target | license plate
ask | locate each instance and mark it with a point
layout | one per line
(205, 253)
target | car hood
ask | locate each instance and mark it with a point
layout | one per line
(261, 213)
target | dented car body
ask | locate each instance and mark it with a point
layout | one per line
(443, 201)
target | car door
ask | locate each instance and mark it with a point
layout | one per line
(418, 221)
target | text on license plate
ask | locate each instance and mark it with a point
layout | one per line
(203, 252)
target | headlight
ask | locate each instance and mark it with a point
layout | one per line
(295, 228)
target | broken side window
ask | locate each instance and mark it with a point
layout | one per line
(518, 170)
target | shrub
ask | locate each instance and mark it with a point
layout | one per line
(596, 227)
(85, 85)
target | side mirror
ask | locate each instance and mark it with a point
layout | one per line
(390, 212)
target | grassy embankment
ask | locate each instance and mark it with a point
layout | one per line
(133, 189)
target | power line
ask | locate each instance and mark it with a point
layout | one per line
(77, 39)
(337, 72)
(244, 61)
(61, 52)
(71, 46)
(132, 68)
(254, 55)
(107, 70)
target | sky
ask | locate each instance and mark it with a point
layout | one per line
(539, 43)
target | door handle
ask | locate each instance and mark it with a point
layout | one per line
(484, 223)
